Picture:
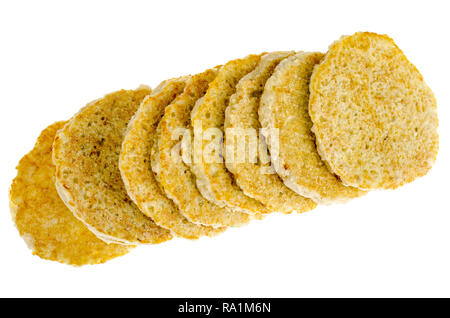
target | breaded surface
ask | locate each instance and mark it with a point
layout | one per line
(209, 116)
(174, 175)
(135, 164)
(86, 154)
(48, 227)
(284, 106)
(255, 178)
(374, 117)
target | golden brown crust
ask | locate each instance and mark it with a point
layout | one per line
(175, 176)
(255, 179)
(86, 154)
(284, 106)
(211, 172)
(374, 117)
(48, 227)
(136, 169)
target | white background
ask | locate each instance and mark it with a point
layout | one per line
(55, 57)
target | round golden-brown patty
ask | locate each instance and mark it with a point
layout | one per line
(374, 117)
(48, 227)
(86, 154)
